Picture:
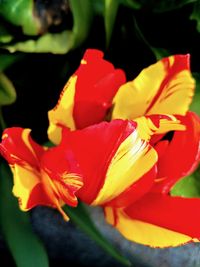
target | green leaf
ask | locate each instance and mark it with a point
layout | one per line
(60, 43)
(21, 13)
(57, 43)
(111, 8)
(188, 186)
(195, 106)
(25, 247)
(6, 60)
(132, 3)
(81, 218)
(7, 91)
(5, 36)
(98, 7)
(82, 16)
(168, 5)
(159, 52)
(196, 14)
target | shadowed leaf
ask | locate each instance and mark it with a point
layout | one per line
(25, 247)
(7, 91)
(81, 218)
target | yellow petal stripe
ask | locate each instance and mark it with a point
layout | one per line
(25, 179)
(142, 95)
(145, 233)
(62, 114)
(125, 167)
(146, 128)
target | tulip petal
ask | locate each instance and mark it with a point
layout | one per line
(153, 125)
(41, 176)
(87, 97)
(61, 175)
(18, 147)
(146, 127)
(28, 188)
(181, 155)
(136, 190)
(178, 214)
(157, 90)
(23, 155)
(110, 157)
(143, 232)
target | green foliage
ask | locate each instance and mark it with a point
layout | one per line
(81, 218)
(63, 42)
(25, 247)
(6, 60)
(7, 91)
(82, 15)
(167, 5)
(111, 8)
(5, 36)
(57, 43)
(195, 106)
(196, 14)
(20, 13)
(188, 186)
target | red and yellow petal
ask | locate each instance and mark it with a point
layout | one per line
(110, 157)
(18, 147)
(143, 232)
(135, 191)
(87, 97)
(157, 90)
(23, 155)
(61, 175)
(156, 125)
(28, 187)
(136, 180)
(181, 155)
(176, 214)
(29, 162)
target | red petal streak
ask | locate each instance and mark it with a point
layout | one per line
(97, 84)
(38, 197)
(136, 191)
(182, 155)
(94, 148)
(181, 62)
(174, 213)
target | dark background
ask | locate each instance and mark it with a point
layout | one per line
(39, 78)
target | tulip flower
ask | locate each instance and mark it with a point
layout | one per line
(158, 219)
(166, 87)
(87, 96)
(97, 87)
(111, 154)
(42, 176)
(127, 165)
